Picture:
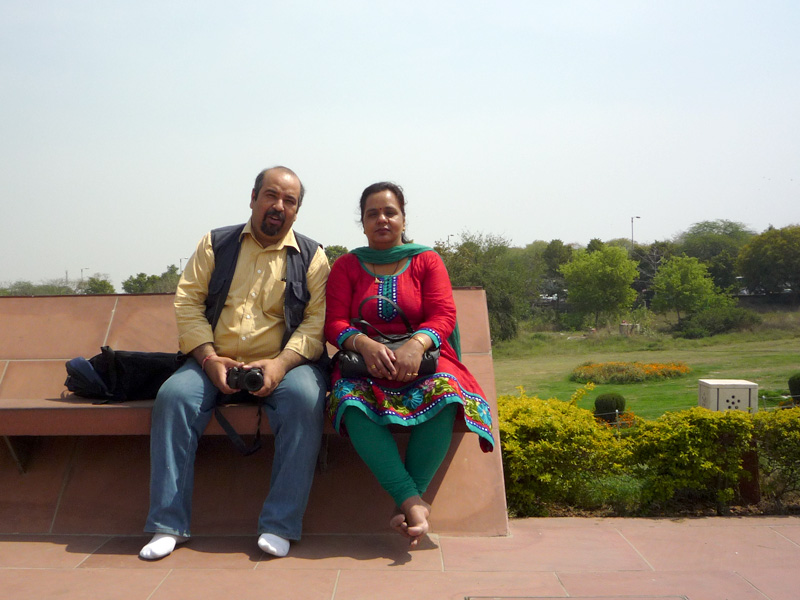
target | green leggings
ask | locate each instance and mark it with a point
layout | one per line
(427, 447)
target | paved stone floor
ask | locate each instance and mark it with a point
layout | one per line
(746, 558)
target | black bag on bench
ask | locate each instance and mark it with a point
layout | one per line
(118, 376)
(121, 375)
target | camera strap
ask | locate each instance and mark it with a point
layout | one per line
(235, 438)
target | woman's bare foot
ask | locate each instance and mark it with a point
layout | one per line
(398, 522)
(416, 513)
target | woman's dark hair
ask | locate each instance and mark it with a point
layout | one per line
(384, 186)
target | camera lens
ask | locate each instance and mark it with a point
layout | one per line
(253, 380)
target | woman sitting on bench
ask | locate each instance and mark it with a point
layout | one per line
(414, 280)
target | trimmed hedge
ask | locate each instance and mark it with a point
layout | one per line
(695, 450)
(552, 450)
(777, 435)
(555, 453)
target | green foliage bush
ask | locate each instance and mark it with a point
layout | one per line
(715, 320)
(573, 321)
(695, 450)
(777, 435)
(552, 450)
(556, 454)
(608, 405)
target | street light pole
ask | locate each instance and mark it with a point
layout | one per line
(82, 270)
(632, 218)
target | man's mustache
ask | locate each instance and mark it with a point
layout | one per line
(275, 213)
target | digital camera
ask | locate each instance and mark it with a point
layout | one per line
(250, 380)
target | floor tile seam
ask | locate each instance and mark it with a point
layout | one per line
(336, 585)
(546, 570)
(160, 583)
(387, 568)
(744, 578)
(635, 549)
(780, 533)
(67, 568)
(561, 583)
(662, 572)
(93, 552)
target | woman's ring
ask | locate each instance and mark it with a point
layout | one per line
(414, 374)
(374, 367)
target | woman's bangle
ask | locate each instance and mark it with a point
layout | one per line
(421, 341)
(203, 364)
(355, 347)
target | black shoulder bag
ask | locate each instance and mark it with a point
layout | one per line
(351, 363)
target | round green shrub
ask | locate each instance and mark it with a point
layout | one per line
(608, 405)
(794, 387)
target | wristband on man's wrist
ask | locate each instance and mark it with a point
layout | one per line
(203, 364)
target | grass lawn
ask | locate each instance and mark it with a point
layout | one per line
(542, 362)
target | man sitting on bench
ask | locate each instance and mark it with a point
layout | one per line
(251, 297)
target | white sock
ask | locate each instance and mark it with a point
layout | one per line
(273, 544)
(160, 546)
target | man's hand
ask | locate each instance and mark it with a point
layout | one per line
(216, 367)
(275, 369)
(274, 372)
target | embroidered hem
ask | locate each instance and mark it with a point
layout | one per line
(411, 404)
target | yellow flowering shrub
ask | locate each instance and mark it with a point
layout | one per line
(552, 450)
(695, 450)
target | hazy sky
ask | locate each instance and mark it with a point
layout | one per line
(129, 129)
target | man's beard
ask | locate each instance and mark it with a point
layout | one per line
(270, 229)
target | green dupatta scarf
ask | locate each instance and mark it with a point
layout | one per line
(394, 254)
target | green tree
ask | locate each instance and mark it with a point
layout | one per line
(527, 265)
(52, 287)
(599, 283)
(770, 262)
(717, 244)
(333, 252)
(142, 283)
(139, 284)
(555, 255)
(595, 244)
(682, 284)
(484, 261)
(650, 257)
(98, 285)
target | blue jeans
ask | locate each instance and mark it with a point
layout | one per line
(183, 409)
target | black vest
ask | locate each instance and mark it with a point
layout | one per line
(225, 243)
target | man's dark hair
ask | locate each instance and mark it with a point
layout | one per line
(384, 186)
(260, 181)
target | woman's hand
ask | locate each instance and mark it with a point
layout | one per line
(380, 360)
(408, 359)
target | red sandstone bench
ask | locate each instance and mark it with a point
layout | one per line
(57, 437)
